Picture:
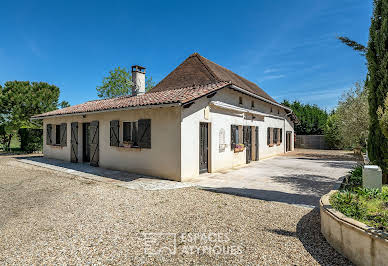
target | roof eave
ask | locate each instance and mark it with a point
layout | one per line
(259, 97)
(109, 110)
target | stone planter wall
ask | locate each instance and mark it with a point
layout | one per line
(358, 242)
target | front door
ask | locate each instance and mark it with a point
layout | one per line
(203, 148)
(86, 142)
(247, 139)
(288, 141)
(257, 143)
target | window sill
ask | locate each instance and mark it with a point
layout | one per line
(56, 145)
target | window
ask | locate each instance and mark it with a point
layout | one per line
(281, 135)
(268, 136)
(130, 133)
(271, 109)
(57, 134)
(240, 100)
(234, 136)
(252, 104)
(275, 136)
(278, 111)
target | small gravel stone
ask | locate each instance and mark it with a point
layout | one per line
(50, 217)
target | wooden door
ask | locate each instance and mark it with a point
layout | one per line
(288, 141)
(247, 139)
(94, 143)
(86, 142)
(203, 148)
(74, 142)
(257, 143)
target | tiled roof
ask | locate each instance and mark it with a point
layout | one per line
(198, 70)
(181, 95)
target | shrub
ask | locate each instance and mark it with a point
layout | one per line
(31, 139)
(354, 180)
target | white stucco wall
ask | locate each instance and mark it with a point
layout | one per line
(163, 159)
(174, 152)
(220, 119)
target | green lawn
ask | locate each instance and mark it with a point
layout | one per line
(15, 144)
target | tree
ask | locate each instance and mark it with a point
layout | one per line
(64, 104)
(354, 45)
(333, 137)
(119, 83)
(312, 118)
(352, 116)
(19, 100)
(377, 82)
(383, 117)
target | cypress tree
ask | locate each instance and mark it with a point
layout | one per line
(377, 82)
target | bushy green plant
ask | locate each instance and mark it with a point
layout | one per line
(31, 139)
(347, 203)
(354, 180)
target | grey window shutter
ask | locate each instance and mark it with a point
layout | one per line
(144, 133)
(281, 135)
(268, 136)
(49, 129)
(233, 137)
(94, 143)
(114, 133)
(63, 130)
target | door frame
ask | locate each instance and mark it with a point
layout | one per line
(247, 130)
(288, 141)
(84, 144)
(203, 170)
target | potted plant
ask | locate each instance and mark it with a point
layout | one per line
(239, 148)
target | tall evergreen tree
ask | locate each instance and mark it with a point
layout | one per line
(377, 81)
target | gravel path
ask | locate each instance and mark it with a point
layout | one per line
(49, 217)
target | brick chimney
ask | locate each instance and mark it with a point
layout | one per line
(138, 79)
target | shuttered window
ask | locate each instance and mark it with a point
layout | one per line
(130, 133)
(144, 133)
(49, 130)
(281, 135)
(275, 136)
(114, 133)
(57, 134)
(234, 138)
(63, 133)
(127, 131)
(269, 136)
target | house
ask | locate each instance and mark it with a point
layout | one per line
(200, 118)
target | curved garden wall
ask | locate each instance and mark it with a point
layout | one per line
(358, 242)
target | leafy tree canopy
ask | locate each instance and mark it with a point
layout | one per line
(19, 100)
(352, 115)
(119, 83)
(312, 118)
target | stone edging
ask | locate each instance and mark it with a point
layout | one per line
(361, 244)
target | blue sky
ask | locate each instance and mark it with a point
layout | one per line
(288, 48)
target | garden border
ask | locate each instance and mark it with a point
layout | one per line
(361, 244)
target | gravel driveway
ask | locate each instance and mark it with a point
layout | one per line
(49, 217)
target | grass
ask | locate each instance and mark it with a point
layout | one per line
(369, 206)
(14, 146)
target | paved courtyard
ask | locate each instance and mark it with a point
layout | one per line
(56, 217)
(300, 177)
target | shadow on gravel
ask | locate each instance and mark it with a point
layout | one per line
(308, 230)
